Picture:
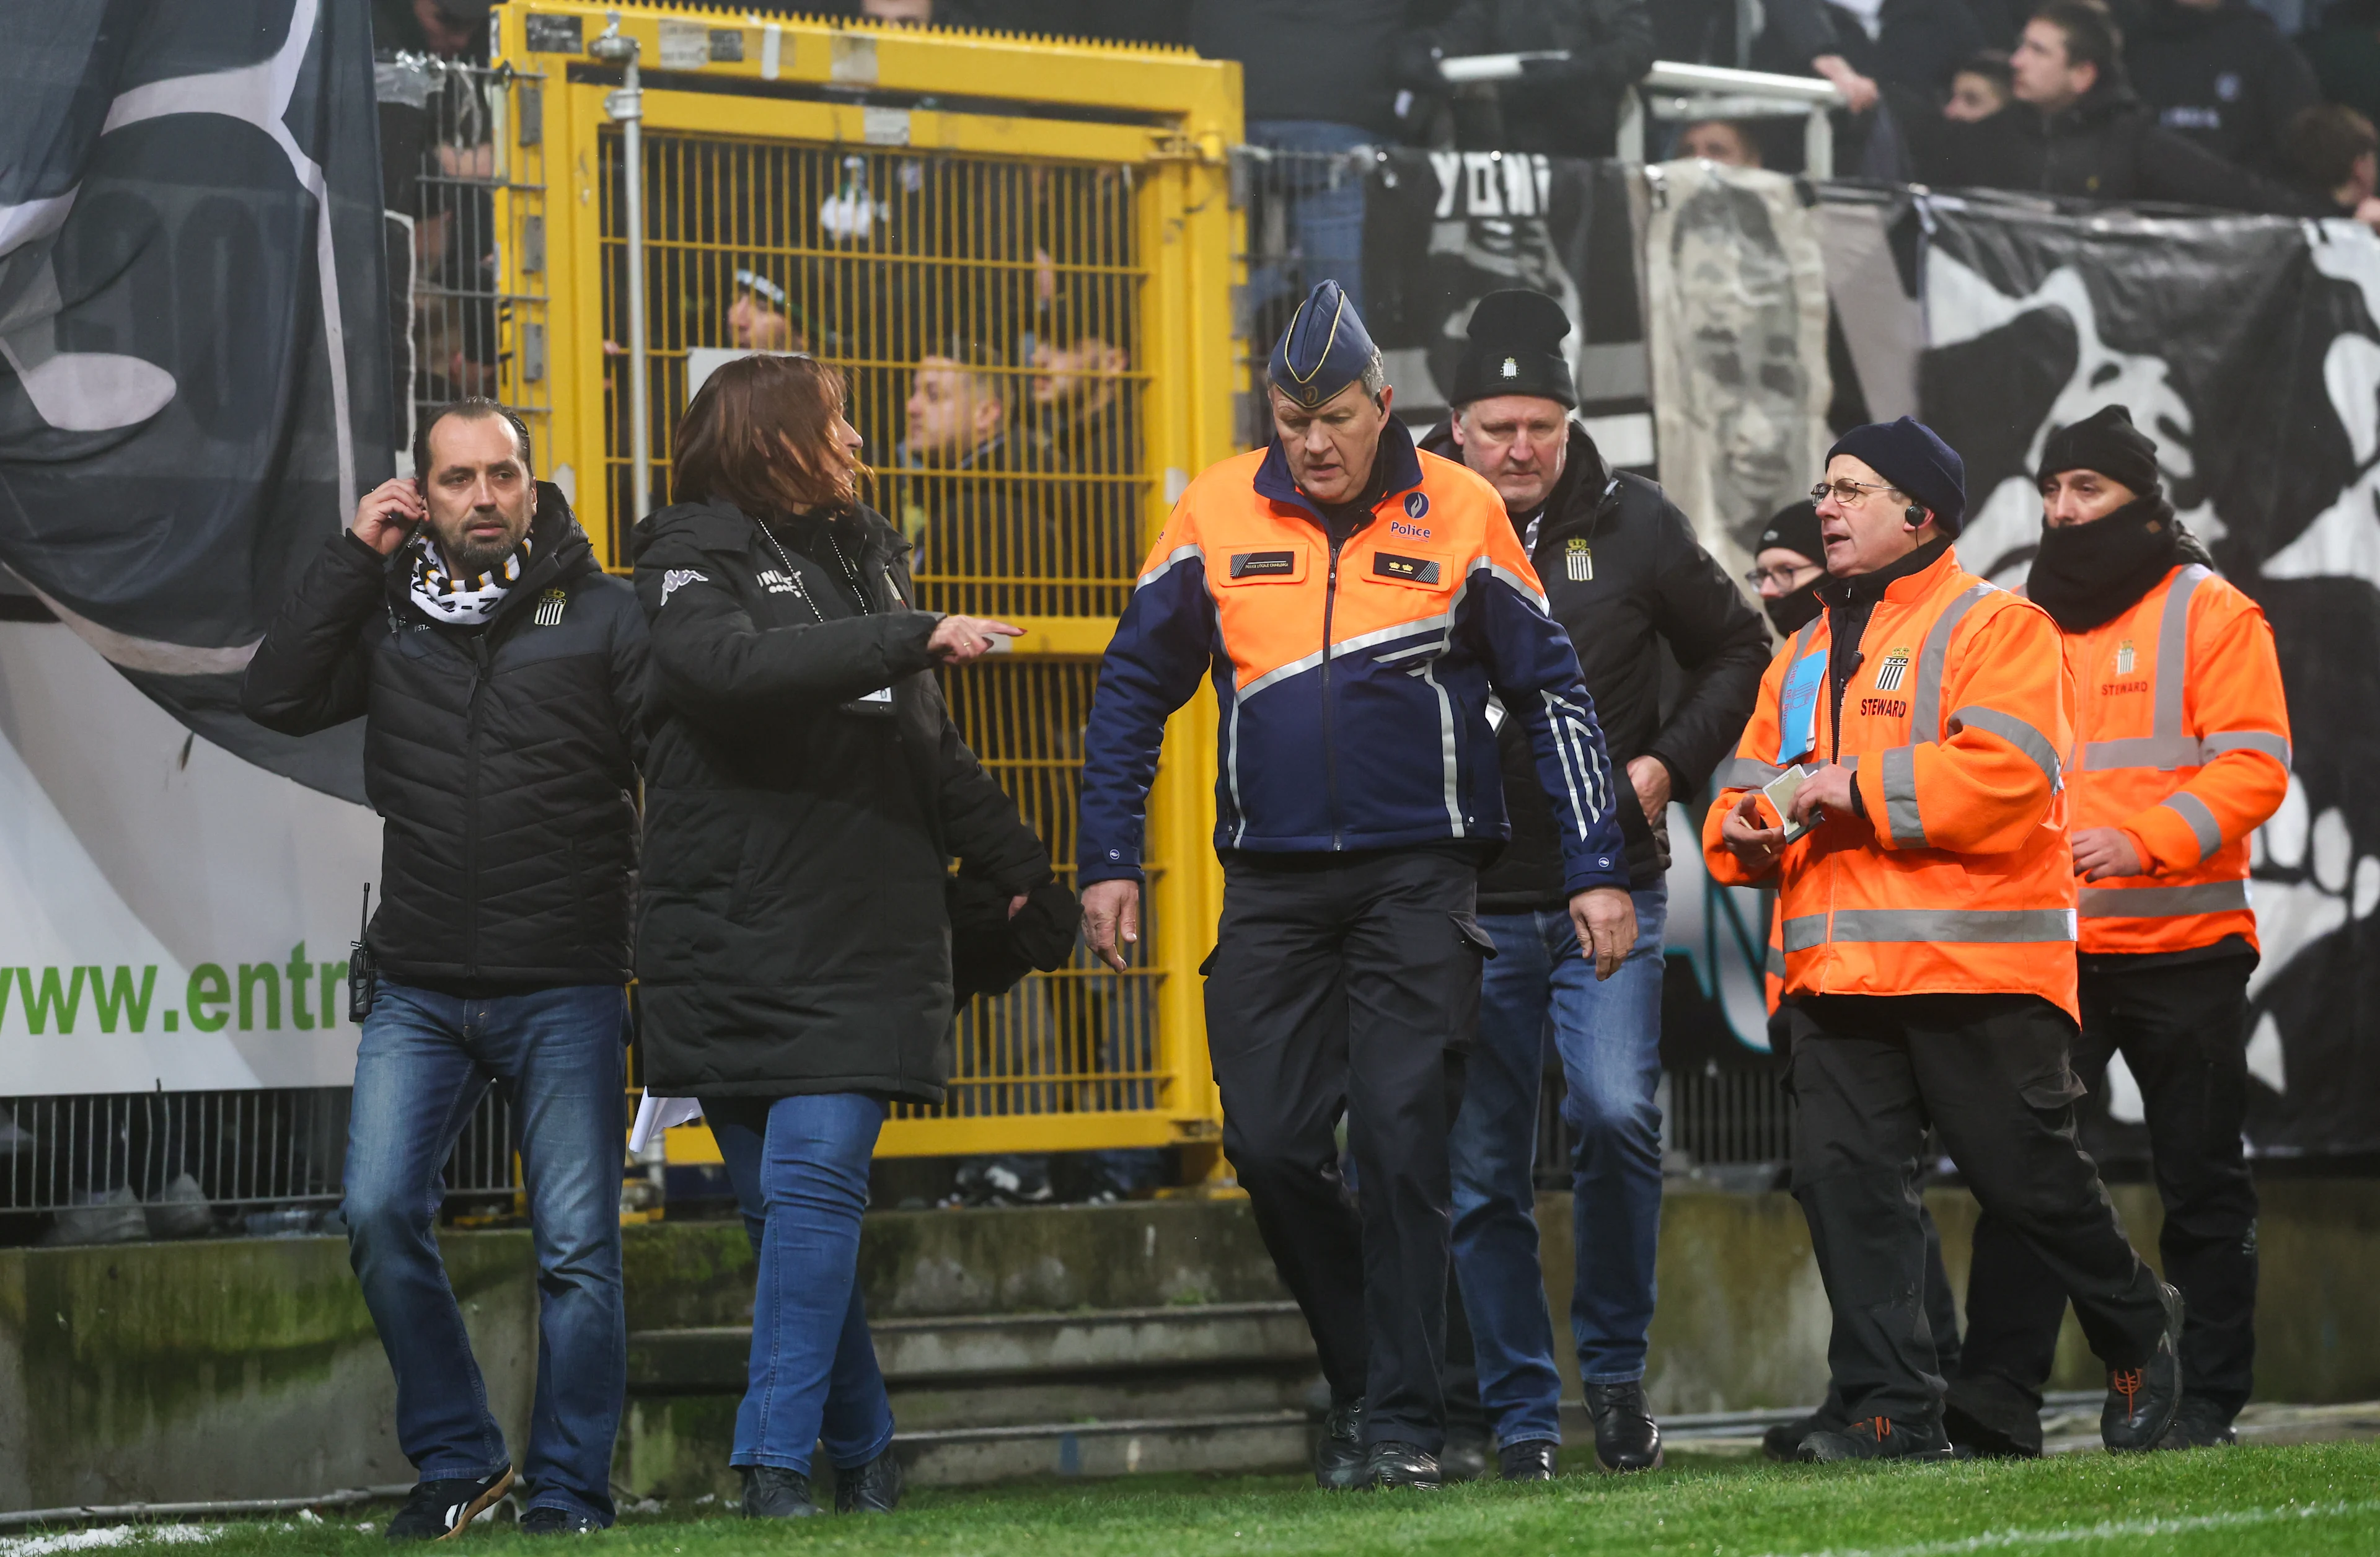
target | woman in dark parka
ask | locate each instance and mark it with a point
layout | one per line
(803, 793)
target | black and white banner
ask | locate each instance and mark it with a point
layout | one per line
(2249, 348)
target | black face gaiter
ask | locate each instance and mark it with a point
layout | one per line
(2087, 575)
(1789, 613)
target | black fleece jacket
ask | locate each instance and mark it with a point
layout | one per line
(1623, 574)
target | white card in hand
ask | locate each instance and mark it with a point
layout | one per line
(1780, 791)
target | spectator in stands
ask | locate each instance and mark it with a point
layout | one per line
(1566, 110)
(1980, 87)
(2219, 73)
(757, 320)
(448, 29)
(2346, 56)
(1720, 140)
(901, 13)
(1860, 44)
(957, 426)
(2333, 154)
(2076, 128)
(500, 672)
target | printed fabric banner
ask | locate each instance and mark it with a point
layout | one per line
(2249, 348)
(194, 364)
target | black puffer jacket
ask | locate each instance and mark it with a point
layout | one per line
(1640, 578)
(1332, 60)
(503, 759)
(2224, 77)
(793, 936)
(2107, 146)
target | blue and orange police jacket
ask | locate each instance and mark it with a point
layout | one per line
(1353, 681)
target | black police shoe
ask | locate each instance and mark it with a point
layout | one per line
(1878, 1438)
(436, 1510)
(1339, 1456)
(1626, 1437)
(2142, 1400)
(1530, 1460)
(1784, 1441)
(1465, 1458)
(559, 1522)
(771, 1492)
(874, 1487)
(1394, 1462)
(2199, 1424)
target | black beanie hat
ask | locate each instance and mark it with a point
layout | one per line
(2106, 441)
(1795, 529)
(1515, 348)
(1913, 457)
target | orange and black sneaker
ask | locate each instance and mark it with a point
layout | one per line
(2142, 1400)
(1876, 1438)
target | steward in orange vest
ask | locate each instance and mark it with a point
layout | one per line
(1928, 936)
(1357, 605)
(2183, 748)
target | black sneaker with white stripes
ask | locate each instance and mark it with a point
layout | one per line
(444, 1509)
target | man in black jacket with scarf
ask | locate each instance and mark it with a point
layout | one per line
(500, 671)
(1624, 575)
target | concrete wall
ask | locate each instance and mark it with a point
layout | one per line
(250, 1368)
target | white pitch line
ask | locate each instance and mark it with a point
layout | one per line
(2107, 1530)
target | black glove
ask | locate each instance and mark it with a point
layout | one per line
(991, 952)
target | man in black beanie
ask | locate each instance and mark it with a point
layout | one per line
(1902, 781)
(1788, 564)
(1624, 575)
(2184, 738)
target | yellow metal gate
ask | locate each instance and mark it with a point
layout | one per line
(1020, 253)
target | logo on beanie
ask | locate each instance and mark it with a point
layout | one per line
(1417, 505)
(1511, 368)
(2125, 658)
(1889, 674)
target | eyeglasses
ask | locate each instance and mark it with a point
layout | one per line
(1847, 495)
(1787, 579)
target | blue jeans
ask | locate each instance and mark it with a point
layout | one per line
(1326, 210)
(800, 1170)
(1608, 1035)
(421, 1066)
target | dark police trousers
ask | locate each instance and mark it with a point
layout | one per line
(2182, 1031)
(1989, 1071)
(1350, 984)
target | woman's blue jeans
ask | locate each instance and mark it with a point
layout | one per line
(800, 1170)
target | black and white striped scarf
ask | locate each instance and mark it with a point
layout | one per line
(463, 601)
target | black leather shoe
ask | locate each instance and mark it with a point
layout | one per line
(773, 1493)
(874, 1487)
(1339, 1455)
(1626, 1437)
(1396, 1464)
(2142, 1402)
(2199, 1424)
(1530, 1460)
(1465, 1458)
(1876, 1438)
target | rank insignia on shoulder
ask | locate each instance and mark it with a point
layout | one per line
(1410, 570)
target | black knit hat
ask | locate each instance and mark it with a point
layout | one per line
(1794, 528)
(1515, 348)
(1913, 457)
(2106, 441)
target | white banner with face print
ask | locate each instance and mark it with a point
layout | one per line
(1736, 319)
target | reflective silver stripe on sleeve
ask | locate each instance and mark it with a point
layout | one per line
(1776, 962)
(2009, 925)
(2163, 752)
(1901, 818)
(2192, 809)
(1925, 714)
(1518, 585)
(2271, 745)
(1808, 931)
(2163, 903)
(2173, 651)
(1446, 748)
(1745, 773)
(2017, 733)
(1179, 554)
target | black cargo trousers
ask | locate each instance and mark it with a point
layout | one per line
(1349, 984)
(2182, 1030)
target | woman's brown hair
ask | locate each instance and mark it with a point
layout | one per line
(761, 435)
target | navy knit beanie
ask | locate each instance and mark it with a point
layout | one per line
(1909, 455)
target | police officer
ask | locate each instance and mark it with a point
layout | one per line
(1928, 941)
(1358, 604)
(2184, 737)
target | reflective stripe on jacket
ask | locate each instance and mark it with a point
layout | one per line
(1351, 681)
(2185, 746)
(1960, 880)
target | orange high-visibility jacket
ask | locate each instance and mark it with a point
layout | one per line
(2184, 746)
(1960, 880)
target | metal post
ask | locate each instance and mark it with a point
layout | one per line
(1629, 144)
(626, 107)
(1818, 145)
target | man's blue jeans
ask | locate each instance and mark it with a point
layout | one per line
(424, 1061)
(1326, 208)
(800, 1170)
(1608, 1035)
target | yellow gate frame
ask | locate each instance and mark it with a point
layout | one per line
(867, 86)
